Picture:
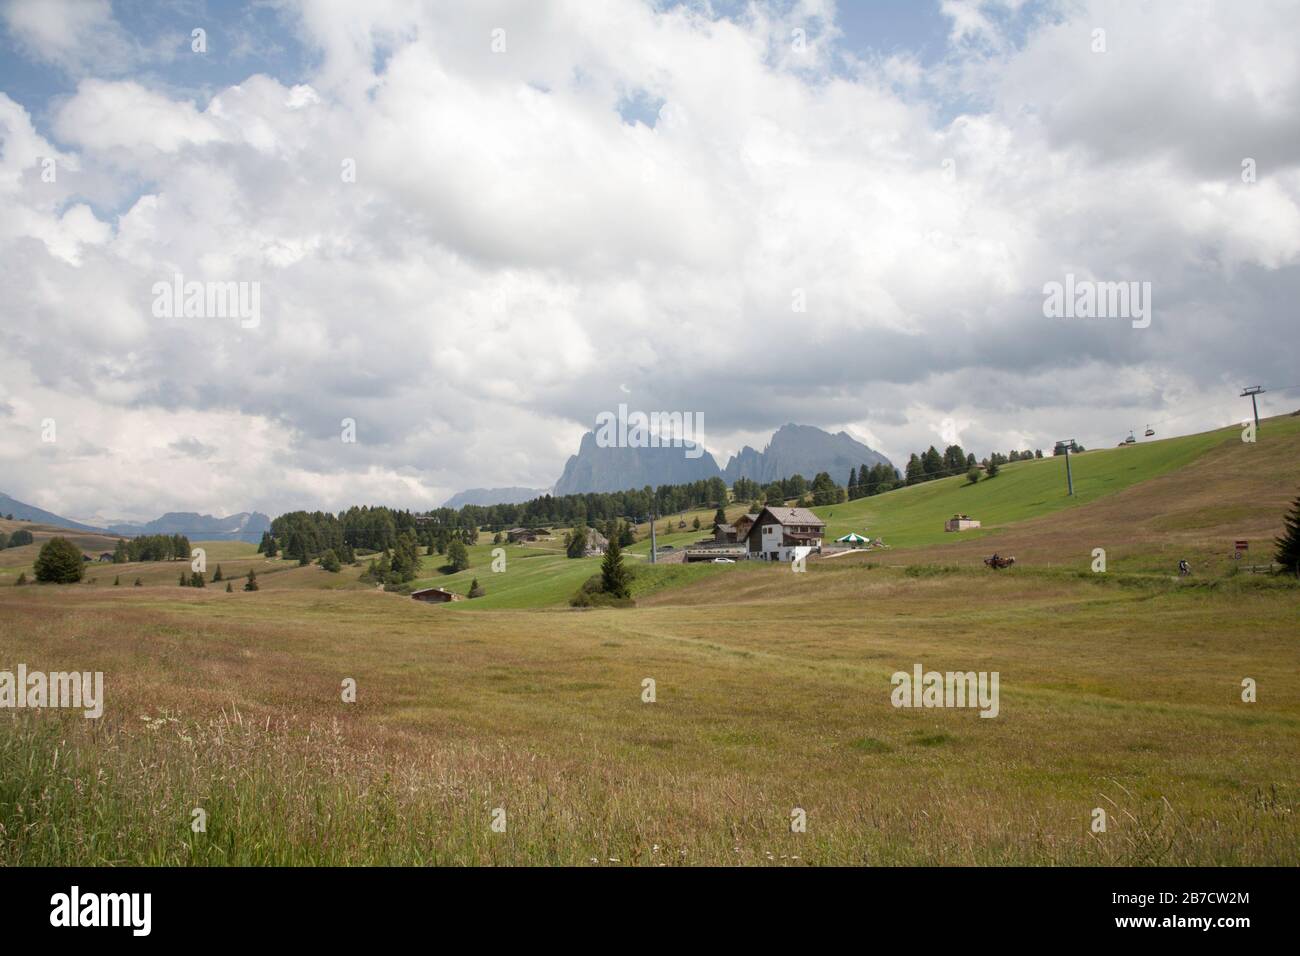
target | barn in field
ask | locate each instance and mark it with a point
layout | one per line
(436, 595)
(960, 523)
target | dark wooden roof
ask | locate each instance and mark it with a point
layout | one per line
(788, 516)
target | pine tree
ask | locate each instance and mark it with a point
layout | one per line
(457, 555)
(853, 484)
(474, 590)
(932, 463)
(217, 575)
(1288, 546)
(117, 579)
(196, 580)
(59, 562)
(251, 584)
(614, 578)
(139, 582)
(184, 582)
(719, 517)
(915, 470)
(229, 587)
(22, 579)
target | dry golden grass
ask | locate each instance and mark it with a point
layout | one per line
(773, 693)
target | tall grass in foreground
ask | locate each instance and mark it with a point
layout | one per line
(76, 792)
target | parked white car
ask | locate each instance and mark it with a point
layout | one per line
(723, 561)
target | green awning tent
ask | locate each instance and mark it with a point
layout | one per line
(852, 538)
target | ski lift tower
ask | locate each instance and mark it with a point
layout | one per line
(1067, 444)
(1252, 391)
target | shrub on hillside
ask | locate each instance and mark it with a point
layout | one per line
(475, 590)
(330, 562)
(973, 475)
(22, 579)
(251, 583)
(591, 595)
(59, 562)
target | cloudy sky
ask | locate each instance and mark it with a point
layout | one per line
(475, 226)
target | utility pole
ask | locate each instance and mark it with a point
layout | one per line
(1069, 478)
(1252, 391)
(653, 516)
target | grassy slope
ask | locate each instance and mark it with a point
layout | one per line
(914, 516)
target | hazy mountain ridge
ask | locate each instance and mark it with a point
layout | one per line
(793, 449)
(494, 496)
(804, 450)
(244, 526)
(28, 512)
(620, 469)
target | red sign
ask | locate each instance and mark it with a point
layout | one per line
(1243, 545)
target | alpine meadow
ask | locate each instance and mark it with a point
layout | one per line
(798, 434)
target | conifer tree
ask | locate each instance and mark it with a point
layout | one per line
(614, 577)
(1288, 546)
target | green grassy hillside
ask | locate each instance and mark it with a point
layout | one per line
(914, 516)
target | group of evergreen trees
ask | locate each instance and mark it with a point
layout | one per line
(152, 547)
(593, 509)
(306, 536)
(401, 564)
(865, 482)
(16, 540)
(822, 491)
(932, 464)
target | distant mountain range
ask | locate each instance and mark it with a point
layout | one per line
(245, 526)
(595, 468)
(802, 450)
(794, 449)
(494, 496)
(28, 512)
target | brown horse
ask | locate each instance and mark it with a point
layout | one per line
(997, 563)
